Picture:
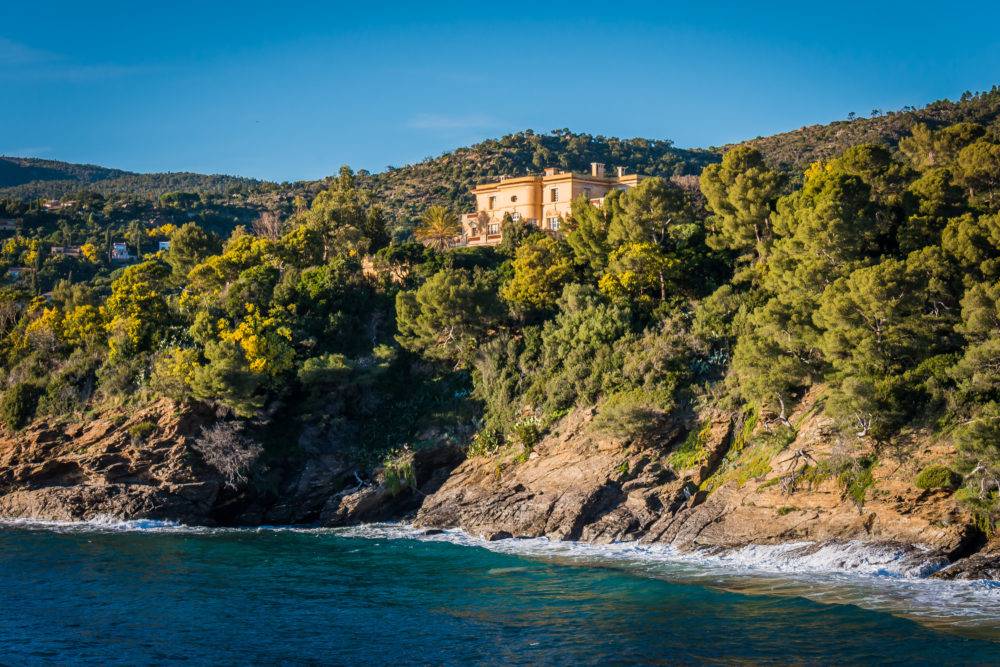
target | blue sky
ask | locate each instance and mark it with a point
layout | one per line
(293, 90)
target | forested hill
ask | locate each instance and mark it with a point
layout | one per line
(406, 191)
(33, 178)
(793, 151)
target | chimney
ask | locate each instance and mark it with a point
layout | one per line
(621, 171)
(597, 169)
(551, 171)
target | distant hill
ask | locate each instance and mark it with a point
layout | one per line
(33, 178)
(797, 149)
(405, 192)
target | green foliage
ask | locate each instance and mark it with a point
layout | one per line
(438, 228)
(634, 413)
(938, 477)
(446, 317)
(692, 451)
(526, 432)
(18, 404)
(189, 246)
(399, 472)
(139, 431)
(741, 193)
(857, 478)
(577, 359)
(137, 309)
(639, 273)
(486, 442)
(877, 324)
(588, 233)
(542, 266)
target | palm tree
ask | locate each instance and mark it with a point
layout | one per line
(438, 228)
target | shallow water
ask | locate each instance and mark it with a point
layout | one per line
(160, 594)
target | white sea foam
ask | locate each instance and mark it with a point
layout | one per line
(100, 523)
(885, 577)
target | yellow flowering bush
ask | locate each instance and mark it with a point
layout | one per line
(266, 340)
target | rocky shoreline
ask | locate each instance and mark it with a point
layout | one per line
(576, 484)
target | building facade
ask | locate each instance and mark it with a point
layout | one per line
(544, 201)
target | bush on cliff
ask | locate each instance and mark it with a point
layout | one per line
(938, 477)
(18, 404)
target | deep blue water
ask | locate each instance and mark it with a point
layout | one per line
(284, 597)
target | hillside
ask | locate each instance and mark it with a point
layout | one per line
(447, 179)
(33, 178)
(405, 192)
(793, 151)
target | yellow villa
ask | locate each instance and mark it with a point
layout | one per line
(543, 201)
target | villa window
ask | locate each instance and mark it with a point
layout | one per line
(515, 216)
(493, 202)
(494, 228)
(552, 224)
(513, 199)
(586, 193)
(554, 194)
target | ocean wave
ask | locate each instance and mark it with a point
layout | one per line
(886, 577)
(98, 523)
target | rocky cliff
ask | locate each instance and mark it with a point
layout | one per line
(109, 467)
(146, 466)
(728, 483)
(715, 481)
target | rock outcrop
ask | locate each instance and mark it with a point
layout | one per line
(145, 466)
(575, 485)
(714, 482)
(378, 500)
(140, 467)
(578, 484)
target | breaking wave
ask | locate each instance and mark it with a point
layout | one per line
(883, 577)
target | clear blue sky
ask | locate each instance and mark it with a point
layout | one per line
(286, 90)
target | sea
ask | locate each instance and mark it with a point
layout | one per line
(143, 593)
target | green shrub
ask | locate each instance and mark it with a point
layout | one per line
(938, 477)
(983, 508)
(857, 479)
(750, 454)
(400, 473)
(527, 432)
(633, 413)
(61, 397)
(18, 404)
(488, 441)
(692, 451)
(141, 430)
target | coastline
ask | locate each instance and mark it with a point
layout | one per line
(888, 578)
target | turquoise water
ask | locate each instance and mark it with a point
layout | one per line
(305, 597)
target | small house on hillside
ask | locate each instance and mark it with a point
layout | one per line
(56, 205)
(66, 251)
(120, 253)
